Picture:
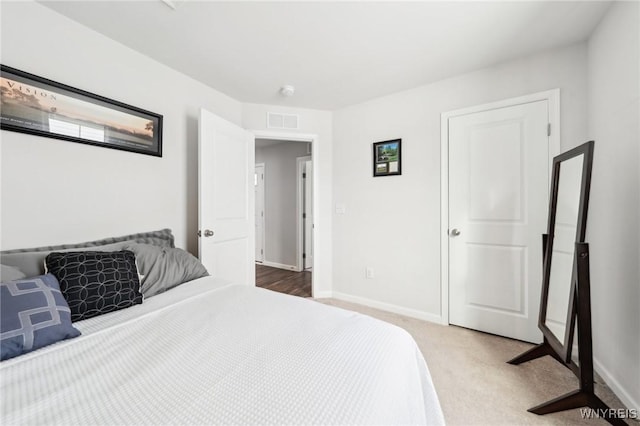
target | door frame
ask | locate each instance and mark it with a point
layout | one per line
(263, 218)
(313, 139)
(553, 99)
(300, 162)
(307, 263)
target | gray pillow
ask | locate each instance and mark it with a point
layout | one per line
(10, 273)
(31, 261)
(163, 268)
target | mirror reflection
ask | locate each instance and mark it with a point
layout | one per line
(562, 252)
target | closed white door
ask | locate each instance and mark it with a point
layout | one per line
(498, 202)
(259, 215)
(308, 215)
(226, 199)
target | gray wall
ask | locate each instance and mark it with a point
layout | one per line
(407, 270)
(56, 192)
(612, 231)
(280, 199)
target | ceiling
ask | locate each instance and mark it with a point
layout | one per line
(334, 53)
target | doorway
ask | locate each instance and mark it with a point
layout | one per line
(283, 281)
(495, 174)
(284, 215)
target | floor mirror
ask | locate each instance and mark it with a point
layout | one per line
(565, 303)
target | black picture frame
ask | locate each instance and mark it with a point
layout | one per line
(42, 107)
(387, 158)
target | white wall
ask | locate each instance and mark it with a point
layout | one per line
(281, 229)
(254, 117)
(56, 191)
(406, 257)
(613, 231)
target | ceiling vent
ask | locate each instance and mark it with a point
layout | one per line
(276, 120)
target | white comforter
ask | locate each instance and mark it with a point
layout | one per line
(212, 353)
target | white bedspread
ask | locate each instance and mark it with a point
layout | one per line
(212, 353)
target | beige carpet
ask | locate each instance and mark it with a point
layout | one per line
(474, 383)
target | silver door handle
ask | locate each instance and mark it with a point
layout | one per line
(454, 232)
(207, 233)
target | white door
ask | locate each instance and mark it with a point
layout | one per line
(226, 199)
(259, 211)
(498, 201)
(308, 215)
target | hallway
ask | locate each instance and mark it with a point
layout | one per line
(283, 281)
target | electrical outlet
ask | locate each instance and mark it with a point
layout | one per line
(368, 273)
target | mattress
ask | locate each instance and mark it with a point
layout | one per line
(210, 352)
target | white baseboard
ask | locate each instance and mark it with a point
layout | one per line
(323, 294)
(280, 266)
(615, 386)
(413, 313)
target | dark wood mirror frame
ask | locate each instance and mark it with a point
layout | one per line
(563, 349)
(579, 306)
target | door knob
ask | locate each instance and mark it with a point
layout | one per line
(207, 233)
(454, 232)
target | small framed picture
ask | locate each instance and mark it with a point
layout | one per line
(387, 158)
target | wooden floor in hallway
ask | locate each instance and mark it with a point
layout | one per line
(283, 281)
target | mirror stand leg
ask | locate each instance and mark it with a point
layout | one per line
(536, 352)
(578, 399)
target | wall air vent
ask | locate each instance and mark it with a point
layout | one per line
(276, 120)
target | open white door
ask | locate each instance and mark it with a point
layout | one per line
(226, 199)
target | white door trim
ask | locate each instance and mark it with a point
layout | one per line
(299, 209)
(307, 244)
(553, 99)
(315, 158)
(263, 218)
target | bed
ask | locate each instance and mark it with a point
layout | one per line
(213, 352)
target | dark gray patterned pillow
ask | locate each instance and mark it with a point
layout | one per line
(95, 283)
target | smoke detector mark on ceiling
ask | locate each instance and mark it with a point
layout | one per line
(287, 90)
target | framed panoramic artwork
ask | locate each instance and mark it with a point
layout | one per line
(38, 106)
(387, 158)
